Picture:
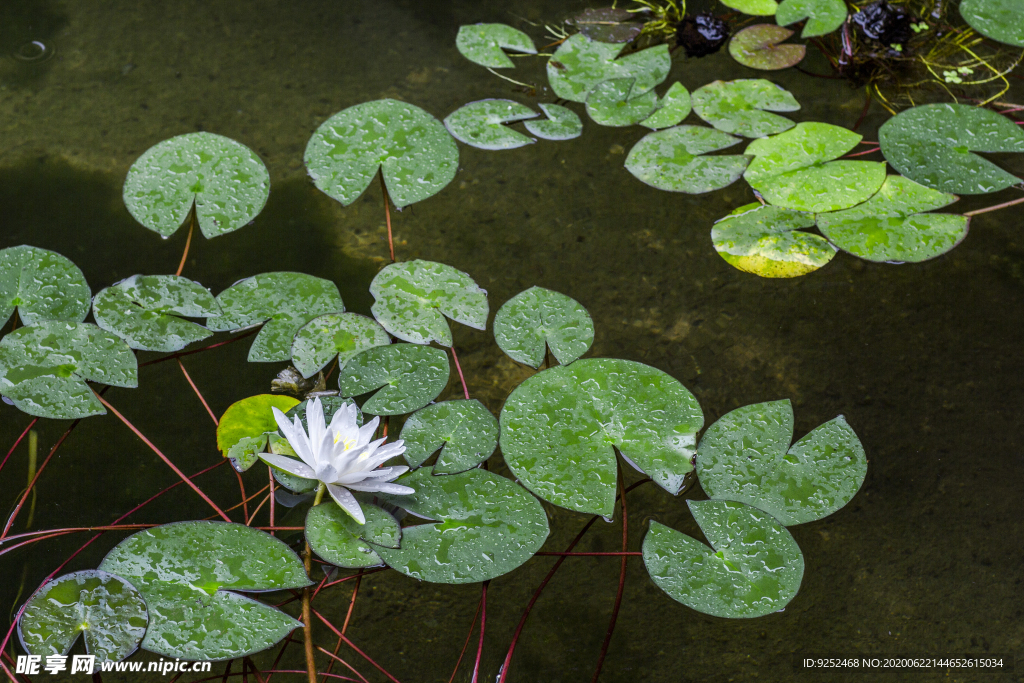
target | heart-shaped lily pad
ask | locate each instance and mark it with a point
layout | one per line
(242, 429)
(539, 316)
(998, 19)
(185, 570)
(44, 368)
(336, 537)
(580, 63)
(414, 151)
(479, 124)
(673, 107)
(561, 123)
(107, 611)
(607, 24)
(760, 47)
(412, 376)
(754, 566)
(284, 301)
(743, 457)
(612, 103)
(672, 159)
(823, 16)
(340, 335)
(743, 107)
(42, 285)
(465, 429)
(226, 180)
(757, 8)
(767, 241)
(483, 43)
(559, 427)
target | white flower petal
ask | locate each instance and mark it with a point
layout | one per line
(385, 473)
(317, 426)
(296, 437)
(343, 424)
(367, 430)
(289, 465)
(382, 487)
(347, 502)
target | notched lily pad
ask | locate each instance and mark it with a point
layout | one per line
(337, 538)
(612, 103)
(242, 429)
(465, 430)
(479, 124)
(537, 317)
(674, 159)
(42, 285)
(823, 16)
(767, 241)
(561, 123)
(673, 107)
(335, 335)
(743, 107)
(761, 47)
(580, 63)
(607, 24)
(483, 44)
(412, 376)
(1000, 20)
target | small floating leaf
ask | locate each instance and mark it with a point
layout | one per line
(478, 124)
(671, 160)
(42, 285)
(673, 107)
(823, 16)
(465, 429)
(482, 44)
(340, 335)
(242, 429)
(337, 538)
(607, 24)
(767, 241)
(742, 107)
(412, 376)
(609, 103)
(757, 8)
(1000, 20)
(539, 316)
(561, 123)
(581, 63)
(759, 47)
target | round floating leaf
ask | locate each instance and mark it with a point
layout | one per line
(673, 107)
(538, 316)
(414, 151)
(340, 335)
(823, 16)
(44, 368)
(412, 376)
(607, 24)
(933, 144)
(581, 63)
(561, 124)
(759, 48)
(486, 526)
(338, 539)
(742, 107)
(478, 124)
(753, 567)
(242, 429)
(559, 426)
(227, 181)
(891, 226)
(285, 301)
(998, 19)
(767, 241)
(671, 160)
(758, 8)
(42, 285)
(482, 44)
(413, 298)
(184, 571)
(466, 430)
(105, 609)
(743, 457)
(141, 310)
(609, 103)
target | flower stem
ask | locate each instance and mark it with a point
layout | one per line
(307, 612)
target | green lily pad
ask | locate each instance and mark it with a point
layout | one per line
(743, 107)
(42, 285)
(340, 335)
(559, 427)
(413, 298)
(609, 103)
(892, 225)
(607, 24)
(561, 123)
(767, 241)
(760, 47)
(743, 457)
(337, 538)
(143, 311)
(243, 428)
(580, 63)
(185, 570)
(284, 301)
(1000, 20)
(754, 566)
(673, 107)
(823, 16)
(672, 159)
(413, 150)
(539, 316)
(478, 124)
(757, 8)
(412, 376)
(486, 526)
(483, 43)
(44, 368)
(226, 180)
(107, 611)
(794, 170)
(933, 144)
(465, 429)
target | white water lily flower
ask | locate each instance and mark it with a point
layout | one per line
(340, 456)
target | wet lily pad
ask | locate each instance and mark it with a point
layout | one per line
(757, 8)
(42, 285)
(743, 107)
(107, 611)
(581, 63)
(1000, 20)
(559, 427)
(284, 301)
(465, 430)
(823, 16)
(416, 154)
(412, 376)
(537, 317)
(483, 43)
(607, 24)
(335, 335)
(185, 571)
(486, 526)
(561, 123)
(413, 298)
(754, 566)
(673, 107)
(673, 159)
(767, 241)
(761, 47)
(479, 124)
(44, 368)
(611, 103)
(227, 182)
(243, 428)
(743, 457)
(337, 538)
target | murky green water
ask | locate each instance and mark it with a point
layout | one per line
(924, 361)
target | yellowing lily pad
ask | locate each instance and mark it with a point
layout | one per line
(767, 241)
(479, 124)
(242, 429)
(757, 8)
(483, 43)
(743, 107)
(761, 47)
(580, 63)
(42, 285)
(673, 159)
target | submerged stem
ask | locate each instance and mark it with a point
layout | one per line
(994, 208)
(307, 612)
(387, 212)
(188, 240)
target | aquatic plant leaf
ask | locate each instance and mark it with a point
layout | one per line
(559, 427)
(892, 225)
(284, 301)
(42, 285)
(743, 457)
(761, 47)
(743, 107)
(242, 429)
(609, 103)
(337, 538)
(757, 8)
(933, 144)
(107, 611)
(999, 20)
(607, 24)
(412, 376)
(464, 429)
(413, 150)
(226, 180)
(486, 526)
(413, 298)
(478, 124)
(44, 368)
(482, 44)
(335, 335)
(184, 571)
(754, 566)
(561, 123)
(673, 107)
(539, 316)
(143, 310)
(767, 241)
(823, 16)
(580, 63)
(672, 160)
